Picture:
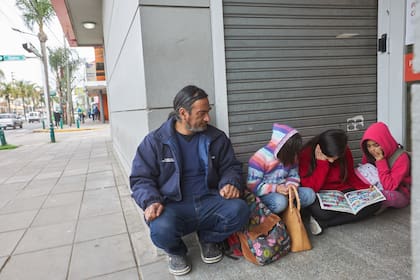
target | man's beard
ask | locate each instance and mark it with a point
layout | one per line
(195, 129)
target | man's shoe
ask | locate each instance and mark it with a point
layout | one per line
(210, 253)
(178, 265)
(314, 226)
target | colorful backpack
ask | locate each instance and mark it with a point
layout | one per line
(265, 239)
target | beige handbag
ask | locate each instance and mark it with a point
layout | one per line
(294, 225)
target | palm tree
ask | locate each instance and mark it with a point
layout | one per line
(57, 63)
(7, 91)
(1, 75)
(63, 60)
(37, 96)
(25, 90)
(39, 12)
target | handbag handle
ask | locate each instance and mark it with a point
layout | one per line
(291, 205)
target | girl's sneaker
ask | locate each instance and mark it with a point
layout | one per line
(314, 226)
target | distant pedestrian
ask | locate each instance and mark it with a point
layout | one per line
(96, 113)
(57, 118)
(81, 115)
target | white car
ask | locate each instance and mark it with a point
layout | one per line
(10, 120)
(34, 117)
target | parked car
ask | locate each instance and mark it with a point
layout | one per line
(10, 120)
(34, 117)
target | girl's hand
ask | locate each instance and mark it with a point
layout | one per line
(289, 188)
(282, 189)
(378, 153)
(318, 153)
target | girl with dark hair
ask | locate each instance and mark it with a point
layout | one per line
(326, 163)
(390, 162)
(273, 169)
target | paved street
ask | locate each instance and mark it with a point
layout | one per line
(66, 213)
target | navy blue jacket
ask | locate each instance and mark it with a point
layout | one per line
(156, 169)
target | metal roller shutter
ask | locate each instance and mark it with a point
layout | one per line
(284, 64)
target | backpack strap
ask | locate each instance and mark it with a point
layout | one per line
(395, 155)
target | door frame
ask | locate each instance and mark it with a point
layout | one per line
(391, 95)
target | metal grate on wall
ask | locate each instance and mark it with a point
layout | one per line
(309, 64)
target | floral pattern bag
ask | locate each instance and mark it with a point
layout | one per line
(265, 239)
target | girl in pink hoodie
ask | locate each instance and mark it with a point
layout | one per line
(378, 146)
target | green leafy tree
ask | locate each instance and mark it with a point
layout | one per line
(39, 12)
(26, 91)
(7, 91)
(64, 63)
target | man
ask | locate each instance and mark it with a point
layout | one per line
(187, 179)
(57, 118)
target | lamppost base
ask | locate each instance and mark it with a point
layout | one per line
(2, 138)
(52, 135)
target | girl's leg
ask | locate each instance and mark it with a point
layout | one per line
(276, 202)
(327, 218)
(395, 199)
(306, 196)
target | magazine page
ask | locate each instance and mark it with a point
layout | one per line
(361, 198)
(368, 173)
(333, 200)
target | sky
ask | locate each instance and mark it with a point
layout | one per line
(30, 69)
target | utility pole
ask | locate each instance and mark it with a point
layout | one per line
(69, 99)
(30, 48)
(42, 39)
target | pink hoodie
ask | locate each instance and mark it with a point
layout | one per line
(396, 178)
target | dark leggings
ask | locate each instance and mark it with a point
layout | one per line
(328, 218)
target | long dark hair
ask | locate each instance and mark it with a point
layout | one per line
(185, 98)
(333, 143)
(369, 157)
(288, 153)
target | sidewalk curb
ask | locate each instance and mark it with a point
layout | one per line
(65, 130)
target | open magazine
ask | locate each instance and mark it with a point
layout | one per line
(351, 202)
(368, 173)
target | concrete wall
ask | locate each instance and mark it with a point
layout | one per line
(152, 50)
(415, 158)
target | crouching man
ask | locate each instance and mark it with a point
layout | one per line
(187, 179)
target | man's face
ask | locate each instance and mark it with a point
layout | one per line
(199, 117)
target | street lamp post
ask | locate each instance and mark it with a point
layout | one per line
(42, 39)
(43, 56)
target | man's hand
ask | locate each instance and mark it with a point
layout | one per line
(153, 211)
(229, 191)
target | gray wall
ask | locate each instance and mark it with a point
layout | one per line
(158, 48)
(415, 196)
(415, 168)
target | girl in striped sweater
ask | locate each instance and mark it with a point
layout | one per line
(273, 170)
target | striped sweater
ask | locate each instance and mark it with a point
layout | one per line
(265, 171)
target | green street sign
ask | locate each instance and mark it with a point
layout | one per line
(12, 57)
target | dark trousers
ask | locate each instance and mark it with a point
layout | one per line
(211, 216)
(328, 218)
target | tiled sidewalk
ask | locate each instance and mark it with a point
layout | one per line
(66, 213)
(64, 209)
